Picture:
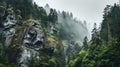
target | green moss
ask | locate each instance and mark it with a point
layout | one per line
(19, 28)
(51, 40)
(16, 48)
(31, 21)
(25, 24)
(10, 9)
(19, 17)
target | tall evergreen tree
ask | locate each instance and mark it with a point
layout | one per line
(53, 15)
(95, 36)
(85, 43)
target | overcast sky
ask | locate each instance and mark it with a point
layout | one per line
(89, 10)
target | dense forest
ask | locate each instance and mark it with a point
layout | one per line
(103, 48)
(32, 37)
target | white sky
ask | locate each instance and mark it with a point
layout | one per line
(89, 10)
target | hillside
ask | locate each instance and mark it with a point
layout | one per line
(35, 36)
(32, 37)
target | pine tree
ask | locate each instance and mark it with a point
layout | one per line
(85, 43)
(95, 36)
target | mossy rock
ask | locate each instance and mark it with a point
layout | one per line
(51, 40)
(19, 28)
(31, 21)
(16, 47)
(10, 10)
(26, 23)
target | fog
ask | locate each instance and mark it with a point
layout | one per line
(70, 24)
(89, 10)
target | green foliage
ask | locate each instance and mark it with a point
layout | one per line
(25, 24)
(53, 15)
(40, 13)
(110, 25)
(59, 54)
(28, 12)
(85, 43)
(13, 52)
(26, 9)
(102, 51)
(31, 21)
(105, 52)
(95, 36)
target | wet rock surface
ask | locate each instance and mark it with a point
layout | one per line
(24, 43)
(34, 38)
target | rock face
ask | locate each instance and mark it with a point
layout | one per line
(26, 56)
(9, 24)
(34, 37)
(23, 42)
(32, 41)
(35, 41)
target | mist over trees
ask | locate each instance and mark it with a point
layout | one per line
(72, 26)
(69, 26)
(103, 49)
(34, 36)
